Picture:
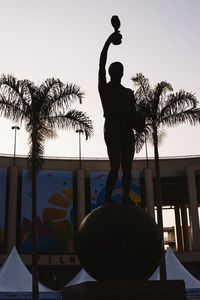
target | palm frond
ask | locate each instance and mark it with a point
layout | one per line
(139, 141)
(141, 137)
(158, 98)
(45, 87)
(74, 119)
(159, 94)
(14, 92)
(161, 89)
(58, 94)
(143, 89)
(10, 80)
(191, 116)
(10, 109)
(178, 103)
(30, 90)
(10, 86)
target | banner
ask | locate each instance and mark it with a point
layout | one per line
(98, 184)
(3, 180)
(54, 212)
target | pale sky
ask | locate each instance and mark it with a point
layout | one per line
(41, 39)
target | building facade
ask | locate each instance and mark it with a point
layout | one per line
(68, 191)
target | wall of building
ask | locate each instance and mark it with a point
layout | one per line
(178, 178)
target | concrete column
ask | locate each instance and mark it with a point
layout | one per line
(193, 208)
(81, 209)
(179, 240)
(12, 209)
(149, 192)
(186, 235)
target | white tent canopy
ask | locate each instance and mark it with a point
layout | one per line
(15, 277)
(81, 277)
(176, 271)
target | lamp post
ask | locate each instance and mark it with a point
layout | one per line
(15, 128)
(79, 131)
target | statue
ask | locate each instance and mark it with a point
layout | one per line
(119, 245)
(118, 104)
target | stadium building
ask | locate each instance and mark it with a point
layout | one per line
(69, 188)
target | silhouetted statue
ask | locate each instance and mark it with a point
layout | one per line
(118, 106)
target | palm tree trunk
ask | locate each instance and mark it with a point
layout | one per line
(159, 201)
(146, 150)
(35, 289)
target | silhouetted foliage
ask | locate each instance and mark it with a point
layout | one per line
(43, 109)
(162, 107)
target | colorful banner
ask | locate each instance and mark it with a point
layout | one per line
(3, 180)
(97, 189)
(54, 212)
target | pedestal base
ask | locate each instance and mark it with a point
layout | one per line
(127, 290)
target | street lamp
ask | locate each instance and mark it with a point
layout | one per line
(79, 131)
(15, 128)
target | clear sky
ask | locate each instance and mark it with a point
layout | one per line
(41, 39)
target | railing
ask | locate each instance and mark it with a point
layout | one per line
(101, 158)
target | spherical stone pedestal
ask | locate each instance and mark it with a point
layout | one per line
(119, 242)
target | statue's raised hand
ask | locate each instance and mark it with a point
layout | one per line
(115, 38)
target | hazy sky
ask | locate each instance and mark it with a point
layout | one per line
(41, 39)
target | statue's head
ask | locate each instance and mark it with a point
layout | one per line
(116, 70)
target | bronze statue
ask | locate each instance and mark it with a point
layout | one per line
(118, 106)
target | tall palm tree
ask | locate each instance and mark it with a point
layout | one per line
(43, 109)
(162, 107)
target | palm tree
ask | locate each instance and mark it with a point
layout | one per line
(162, 107)
(43, 109)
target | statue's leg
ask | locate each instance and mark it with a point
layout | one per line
(112, 176)
(126, 163)
(114, 154)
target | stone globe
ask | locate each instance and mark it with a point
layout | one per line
(119, 242)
